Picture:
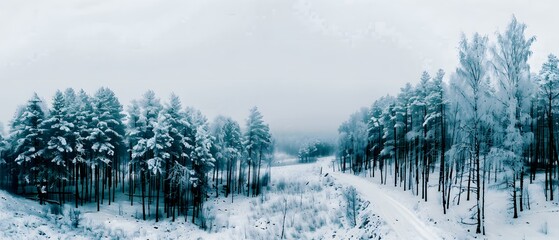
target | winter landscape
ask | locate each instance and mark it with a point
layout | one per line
(295, 119)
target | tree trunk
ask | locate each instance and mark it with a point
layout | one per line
(76, 183)
(143, 183)
(157, 186)
(514, 195)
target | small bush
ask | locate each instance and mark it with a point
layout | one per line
(350, 195)
(281, 185)
(75, 217)
(120, 210)
(56, 209)
(207, 218)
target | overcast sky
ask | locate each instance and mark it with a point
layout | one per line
(306, 64)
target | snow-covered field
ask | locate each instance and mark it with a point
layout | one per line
(313, 200)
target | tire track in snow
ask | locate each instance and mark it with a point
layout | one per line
(400, 219)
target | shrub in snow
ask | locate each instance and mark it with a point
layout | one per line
(56, 209)
(75, 217)
(350, 196)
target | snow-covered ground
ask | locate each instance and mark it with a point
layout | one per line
(313, 200)
(412, 218)
(402, 221)
(314, 203)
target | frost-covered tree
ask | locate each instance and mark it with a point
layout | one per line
(176, 175)
(149, 106)
(59, 138)
(375, 131)
(548, 81)
(29, 142)
(473, 98)
(233, 149)
(420, 130)
(106, 137)
(202, 164)
(510, 61)
(4, 149)
(226, 149)
(257, 140)
(58, 131)
(160, 144)
(353, 140)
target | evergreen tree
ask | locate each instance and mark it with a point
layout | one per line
(257, 141)
(59, 137)
(29, 142)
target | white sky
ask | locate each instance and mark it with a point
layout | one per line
(307, 64)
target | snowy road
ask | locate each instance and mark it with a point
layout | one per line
(403, 222)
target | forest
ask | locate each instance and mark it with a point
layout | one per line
(492, 122)
(456, 139)
(85, 149)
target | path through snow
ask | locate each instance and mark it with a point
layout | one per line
(403, 222)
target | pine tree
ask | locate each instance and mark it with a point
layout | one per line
(29, 143)
(257, 141)
(160, 145)
(106, 138)
(202, 164)
(176, 174)
(59, 136)
(548, 81)
(142, 150)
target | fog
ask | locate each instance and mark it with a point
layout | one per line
(306, 64)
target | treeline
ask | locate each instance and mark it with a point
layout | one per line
(492, 117)
(314, 149)
(85, 149)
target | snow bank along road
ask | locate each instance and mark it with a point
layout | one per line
(401, 220)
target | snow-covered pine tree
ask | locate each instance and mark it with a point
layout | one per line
(548, 81)
(133, 135)
(4, 169)
(375, 131)
(72, 104)
(59, 137)
(233, 151)
(257, 141)
(160, 146)
(218, 150)
(419, 112)
(226, 149)
(106, 136)
(402, 128)
(29, 143)
(202, 163)
(176, 176)
(150, 107)
(84, 151)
